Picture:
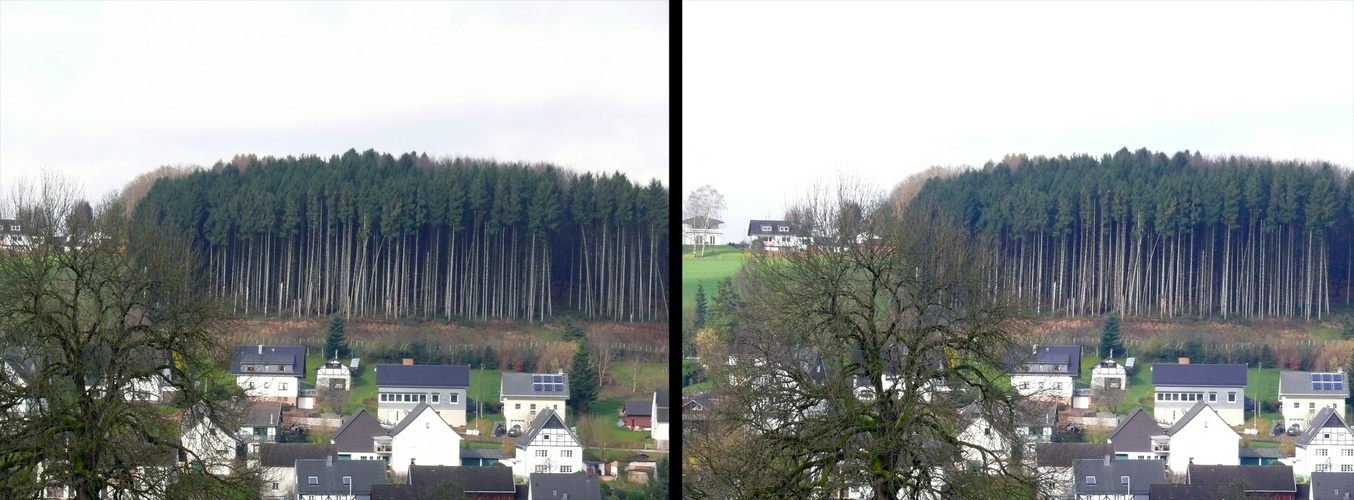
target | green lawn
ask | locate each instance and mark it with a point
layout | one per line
(1261, 385)
(719, 262)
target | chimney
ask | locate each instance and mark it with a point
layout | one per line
(408, 361)
(1184, 361)
(561, 371)
(1107, 460)
(1035, 349)
(260, 348)
(329, 461)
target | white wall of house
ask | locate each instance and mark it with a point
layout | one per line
(279, 482)
(428, 440)
(559, 453)
(658, 430)
(522, 410)
(209, 444)
(1205, 440)
(1332, 450)
(1043, 385)
(1300, 409)
(980, 433)
(270, 387)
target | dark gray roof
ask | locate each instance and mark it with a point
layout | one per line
(483, 453)
(1274, 478)
(699, 222)
(286, 454)
(1108, 478)
(520, 384)
(546, 420)
(555, 486)
(355, 434)
(1187, 492)
(292, 359)
(1325, 418)
(1135, 434)
(263, 414)
(1301, 384)
(1199, 375)
(661, 401)
(1245, 452)
(329, 474)
(1063, 454)
(470, 479)
(1034, 359)
(1332, 485)
(405, 492)
(638, 408)
(755, 228)
(455, 376)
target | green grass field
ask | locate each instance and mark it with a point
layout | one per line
(719, 262)
(1261, 385)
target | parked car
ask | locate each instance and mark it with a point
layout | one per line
(515, 431)
(471, 406)
(500, 429)
(1278, 429)
(1293, 431)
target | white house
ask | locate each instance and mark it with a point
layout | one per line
(1109, 374)
(423, 438)
(279, 465)
(262, 423)
(1302, 394)
(776, 235)
(270, 373)
(1202, 437)
(1054, 463)
(547, 446)
(659, 429)
(1033, 422)
(1046, 371)
(1178, 387)
(1326, 446)
(1107, 479)
(208, 442)
(401, 388)
(702, 231)
(525, 395)
(333, 375)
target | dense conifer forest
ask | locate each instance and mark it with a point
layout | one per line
(371, 235)
(1147, 234)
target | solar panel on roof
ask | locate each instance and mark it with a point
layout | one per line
(1325, 377)
(1339, 386)
(1339, 377)
(536, 379)
(1328, 386)
(1316, 377)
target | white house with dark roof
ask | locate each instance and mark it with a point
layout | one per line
(1332, 485)
(208, 441)
(361, 437)
(1202, 437)
(279, 465)
(702, 231)
(400, 388)
(775, 235)
(547, 445)
(1106, 479)
(1179, 386)
(1302, 394)
(1045, 371)
(1139, 437)
(525, 395)
(1327, 445)
(262, 423)
(269, 373)
(423, 438)
(1054, 462)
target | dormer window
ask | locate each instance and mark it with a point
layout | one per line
(314, 480)
(766, 229)
(1090, 479)
(783, 229)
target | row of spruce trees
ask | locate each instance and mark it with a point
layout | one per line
(372, 235)
(1147, 234)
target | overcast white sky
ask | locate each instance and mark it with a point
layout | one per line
(106, 91)
(777, 97)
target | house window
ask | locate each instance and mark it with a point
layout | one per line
(1296, 404)
(766, 229)
(1090, 479)
(423, 398)
(542, 468)
(517, 406)
(1347, 468)
(1325, 436)
(1322, 468)
(1347, 452)
(455, 397)
(1123, 479)
(566, 453)
(566, 468)
(383, 398)
(783, 229)
(1311, 406)
(542, 453)
(435, 397)
(314, 480)
(282, 386)
(1161, 397)
(1058, 386)
(347, 479)
(533, 406)
(251, 386)
(1024, 385)
(1321, 452)
(1231, 397)
(274, 485)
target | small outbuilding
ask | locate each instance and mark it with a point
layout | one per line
(333, 375)
(1109, 374)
